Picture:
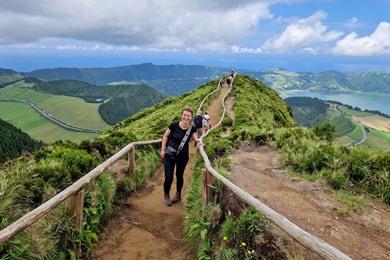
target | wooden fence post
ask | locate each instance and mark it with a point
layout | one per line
(75, 206)
(206, 190)
(132, 166)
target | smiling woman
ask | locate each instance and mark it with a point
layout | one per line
(174, 152)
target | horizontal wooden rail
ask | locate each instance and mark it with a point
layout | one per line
(31, 217)
(304, 238)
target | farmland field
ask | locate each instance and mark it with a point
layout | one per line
(31, 122)
(379, 140)
(74, 111)
(71, 110)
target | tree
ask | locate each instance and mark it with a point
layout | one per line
(324, 131)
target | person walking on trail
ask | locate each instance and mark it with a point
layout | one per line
(174, 152)
(198, 123)
(206, 122)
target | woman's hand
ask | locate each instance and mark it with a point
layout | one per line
(199, 143)
(162, 154)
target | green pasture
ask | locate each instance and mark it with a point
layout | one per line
(378, 140)
(31, 122)
(71, 110)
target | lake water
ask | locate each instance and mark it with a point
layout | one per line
(364, 100)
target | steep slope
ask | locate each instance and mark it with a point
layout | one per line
(307, 111)
(8, 76)
(263, 120)
(118, 101)
(14, 142)
(28, 182)
(169, 79)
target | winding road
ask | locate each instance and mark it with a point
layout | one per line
(52, 118)
(353, 143)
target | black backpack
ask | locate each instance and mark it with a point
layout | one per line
(198, 121)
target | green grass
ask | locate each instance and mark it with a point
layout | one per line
(152, 122)
(31, 122)
(357, 133)
(378, 140)
(353, 112)
(74, 111)
(352, 202)
(343, 125)
(344, 140)
(71, 110)
(332, 113)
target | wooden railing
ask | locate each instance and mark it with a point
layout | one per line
(304, 238)
(74, 196)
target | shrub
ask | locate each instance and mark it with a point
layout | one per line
(324, 131)
(251, 223)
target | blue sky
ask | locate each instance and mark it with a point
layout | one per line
(296, 35)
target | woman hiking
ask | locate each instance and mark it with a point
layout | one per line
(174, 152)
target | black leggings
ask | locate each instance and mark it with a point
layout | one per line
(169, 167)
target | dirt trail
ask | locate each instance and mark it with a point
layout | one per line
(143, 228)
(364, 234)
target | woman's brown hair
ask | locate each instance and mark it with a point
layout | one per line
(188, 109)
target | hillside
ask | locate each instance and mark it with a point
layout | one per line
(307, 111)
(169, 79)
(71, 110)
(349, 122)
(179, 79)
(257, 116)
(29, 182)
(118, 101)
(8, 76)
(14, 142)
(328, 81)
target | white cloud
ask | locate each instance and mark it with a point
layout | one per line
(238, 49)
(174, 24)
(378, 43)
(303, 34)
(352, 23)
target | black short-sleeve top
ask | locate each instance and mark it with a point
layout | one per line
(176, 136)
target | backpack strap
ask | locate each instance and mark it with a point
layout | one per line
(184, 140)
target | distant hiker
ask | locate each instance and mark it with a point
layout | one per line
(174, 152)
(229, 80)
(230, 77)
(206, 122)
(198, 123)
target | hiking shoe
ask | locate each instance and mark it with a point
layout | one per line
(167, 200)
(177, 198)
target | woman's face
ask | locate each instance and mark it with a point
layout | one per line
(186, 116)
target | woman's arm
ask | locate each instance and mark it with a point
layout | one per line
(164, 142)
(197, 140)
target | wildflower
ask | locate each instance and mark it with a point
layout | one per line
(243, 244)
(187, 217)
(224, 238)
(253, 251)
